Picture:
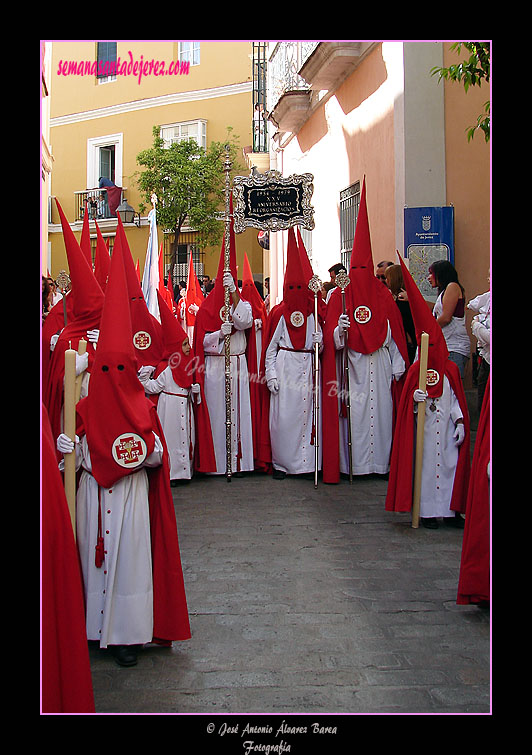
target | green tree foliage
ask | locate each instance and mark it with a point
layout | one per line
(189, 183)
(471, 72)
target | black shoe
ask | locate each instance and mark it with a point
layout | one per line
(124, 655)
(454, 521)
(278, 474)
(431, 523)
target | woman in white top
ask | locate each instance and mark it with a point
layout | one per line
(449, 311)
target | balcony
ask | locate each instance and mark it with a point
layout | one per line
(289, 95)
(101, 204)
(303, 74)
(331, 62)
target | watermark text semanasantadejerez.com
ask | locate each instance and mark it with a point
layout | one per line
(120, 67)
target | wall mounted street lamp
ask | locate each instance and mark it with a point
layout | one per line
(128, 214)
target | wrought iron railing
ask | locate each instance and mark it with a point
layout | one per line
(95, 202)
(260, 84)
(283, 69)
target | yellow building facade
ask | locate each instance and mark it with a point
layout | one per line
(99, 123)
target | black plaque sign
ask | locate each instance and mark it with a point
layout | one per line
(272, 202)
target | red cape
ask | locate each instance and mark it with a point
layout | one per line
(330, 414)
(400, 481)
(66, 674)
(204, 457)
(170, 611)
(474, 580)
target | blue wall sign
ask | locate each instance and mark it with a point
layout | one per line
(429, 236)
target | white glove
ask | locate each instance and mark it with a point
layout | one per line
(420, 395)
(228, 282)
(258, 323)
(273, 386)
(93, 335)
(317, 338)
(82, 362)
(343, 323)
(193, 308)
(195, 390)
(53, 341)
(64, 444)
(145, 373)
(227, 327)
(459, 434)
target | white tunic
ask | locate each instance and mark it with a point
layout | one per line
(440, 454)
(119, 594)
(175, 411)
(292, 408)
(242, 317)
(370, 388)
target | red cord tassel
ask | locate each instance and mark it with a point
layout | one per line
(99, 558)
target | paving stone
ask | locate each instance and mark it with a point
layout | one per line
(307, 601)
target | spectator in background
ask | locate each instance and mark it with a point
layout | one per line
(394, 280)
(333, 272)
(381, 269)
(449, 311)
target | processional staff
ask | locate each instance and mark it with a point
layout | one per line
(63, 284)
(227, 298)
(342, 280)
(315, 285)
(420, 431)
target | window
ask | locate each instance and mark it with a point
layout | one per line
(349, 204)
(178, 132)
(104, 158)
(189, 51)
(107, 162)
(106, 62)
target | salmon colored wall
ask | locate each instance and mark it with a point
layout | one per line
(348, 137)
(468, 168)
(468, 173)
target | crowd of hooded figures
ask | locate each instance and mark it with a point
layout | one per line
(316, 385)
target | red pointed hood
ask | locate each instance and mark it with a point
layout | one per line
(250, 293)
(102, 260)
(85, 241)
(194, 293)
(87, 294)
(363, 297)
(181, 364)
(297, 304)
(146, 329)
(209, 319)
(308, 274)
(115, 413)
(424, 321)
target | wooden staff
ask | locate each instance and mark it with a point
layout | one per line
(227, 297)
(342, 281)
(420, 433)
(315, 286)
(69, 428)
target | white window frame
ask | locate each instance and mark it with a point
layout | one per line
(189, 51)
(93, 154)
(201, 130)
